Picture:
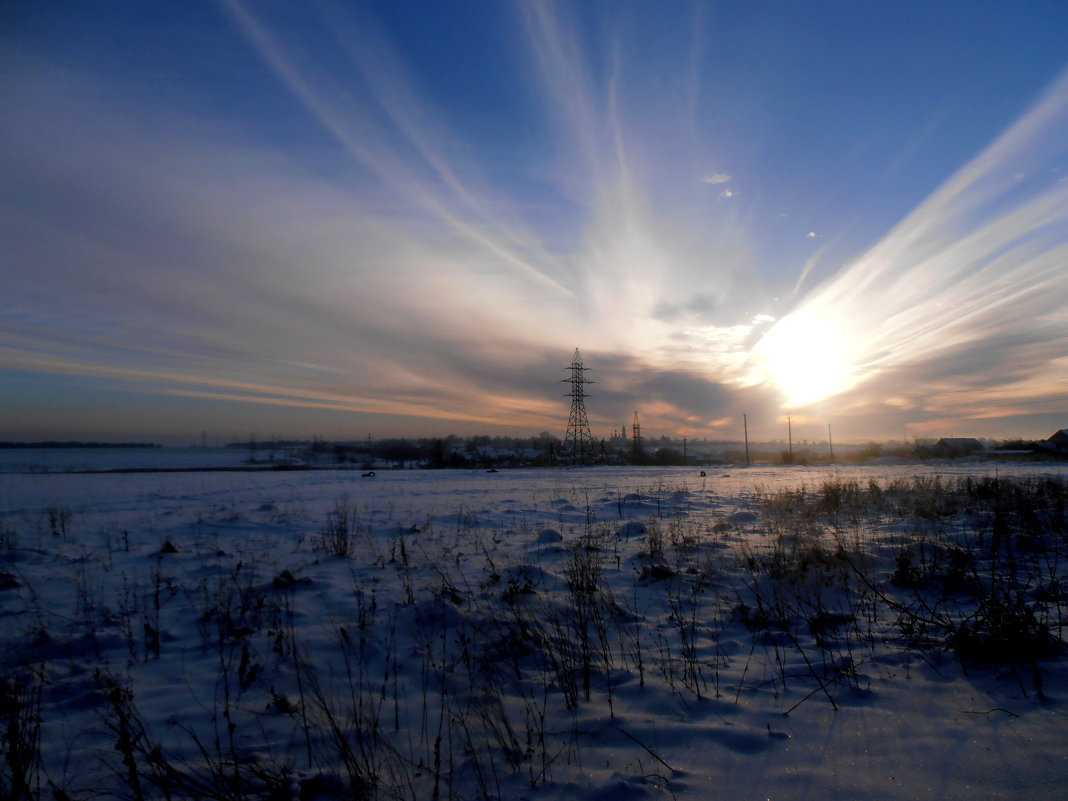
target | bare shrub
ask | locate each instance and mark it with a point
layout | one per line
(20, 716)
(338, 533)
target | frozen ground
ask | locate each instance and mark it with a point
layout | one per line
(630, 633)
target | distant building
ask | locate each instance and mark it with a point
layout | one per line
(957, 446)
(1058, 443)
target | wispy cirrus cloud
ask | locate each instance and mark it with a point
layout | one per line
(382, 258)
(716, 178)
(959, 310)
(190, 264)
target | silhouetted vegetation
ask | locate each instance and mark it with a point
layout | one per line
(545, 450)
(76, 444)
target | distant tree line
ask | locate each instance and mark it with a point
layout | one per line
(78, 444)
(544, 450)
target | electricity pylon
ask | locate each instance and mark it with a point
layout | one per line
(578, 442)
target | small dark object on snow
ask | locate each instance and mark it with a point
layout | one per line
(658, 572)
(284, 580)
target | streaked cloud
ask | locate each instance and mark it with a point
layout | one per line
(716, 178)
(378, 260)
(959, 311)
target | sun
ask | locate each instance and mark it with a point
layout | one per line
(807, 356)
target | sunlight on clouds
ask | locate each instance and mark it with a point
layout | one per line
(461, 272)
(420, 277)
(970, 283)
(807, 356)
(717, 351)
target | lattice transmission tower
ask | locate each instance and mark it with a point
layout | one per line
(578, 442)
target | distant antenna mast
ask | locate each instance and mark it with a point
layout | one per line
(636, 438)
(578, 441)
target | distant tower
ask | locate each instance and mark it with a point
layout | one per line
(636, 438)
(578, 442)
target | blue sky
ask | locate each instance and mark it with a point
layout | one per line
(401, 218)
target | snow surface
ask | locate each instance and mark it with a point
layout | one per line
(541, 634)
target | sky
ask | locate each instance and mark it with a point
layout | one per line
(401, 218)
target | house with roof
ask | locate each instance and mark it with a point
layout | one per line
(1058, 443)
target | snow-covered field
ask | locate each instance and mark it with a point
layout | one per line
(601, 633)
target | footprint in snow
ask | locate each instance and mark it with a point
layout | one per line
(777, 735)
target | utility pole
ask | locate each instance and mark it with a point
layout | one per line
(745, 427)
(578, 436)
(790, 434)
(830, 442)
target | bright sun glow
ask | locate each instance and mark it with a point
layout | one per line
(807, 357)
